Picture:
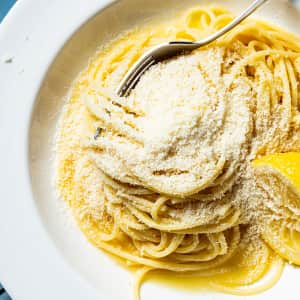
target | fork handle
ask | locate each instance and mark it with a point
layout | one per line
(247, 12)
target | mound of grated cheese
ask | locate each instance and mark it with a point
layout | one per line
(192, 123)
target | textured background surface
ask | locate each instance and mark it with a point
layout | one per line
(5, 6)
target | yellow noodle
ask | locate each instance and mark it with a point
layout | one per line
(201, 230)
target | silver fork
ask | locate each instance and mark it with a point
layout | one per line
(169, 49)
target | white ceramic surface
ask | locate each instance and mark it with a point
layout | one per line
(43, 255)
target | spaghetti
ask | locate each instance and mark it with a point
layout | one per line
(167, 182)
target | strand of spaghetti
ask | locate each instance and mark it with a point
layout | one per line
(260, 54)
(157, 206)
(138, 280)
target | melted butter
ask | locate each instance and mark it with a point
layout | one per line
(190, 283)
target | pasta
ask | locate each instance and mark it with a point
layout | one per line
(174, 188)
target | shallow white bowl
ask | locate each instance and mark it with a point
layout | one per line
(43, 255)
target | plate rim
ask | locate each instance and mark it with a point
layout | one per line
(27, 69)
(20, 37)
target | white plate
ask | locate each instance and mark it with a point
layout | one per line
(43, 255)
